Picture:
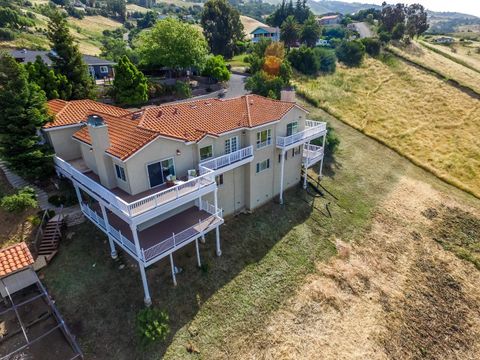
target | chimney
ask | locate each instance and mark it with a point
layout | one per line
(98, 130)
(287, 95)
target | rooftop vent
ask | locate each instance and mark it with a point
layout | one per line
(159, 114)
(175, 111)
(95, 120)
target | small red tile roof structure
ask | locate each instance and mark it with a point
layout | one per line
(14, 258)
(188, 121)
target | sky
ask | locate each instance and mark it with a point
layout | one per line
(464, 6)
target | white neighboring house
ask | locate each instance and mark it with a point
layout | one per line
(444, 40)
(323, 42)
(160, 178)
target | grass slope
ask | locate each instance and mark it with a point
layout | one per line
(415, 113)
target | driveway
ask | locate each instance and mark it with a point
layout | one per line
(363, 29)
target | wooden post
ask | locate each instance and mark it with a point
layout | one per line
(113, 251)
(173, 270)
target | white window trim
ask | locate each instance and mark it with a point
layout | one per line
(262, 170)
(104, 67)
(230, 144)
(159, 161)
(296, 127)
(200, 155)
(124, 173)
(265, 143)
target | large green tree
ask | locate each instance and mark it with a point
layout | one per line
(55, 86)
(417, 22)
(130, 86)
(310, 32)
(290, 32)
(23, 112)
(221, 26)
(66, 58)
(216, 68)
(173, 44)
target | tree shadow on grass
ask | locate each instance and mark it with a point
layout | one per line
(100, 297)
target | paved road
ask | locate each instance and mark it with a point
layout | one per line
(363, 29)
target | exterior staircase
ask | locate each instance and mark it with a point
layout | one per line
(51, 235)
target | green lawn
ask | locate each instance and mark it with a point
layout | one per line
(238, 61)
(266, 257)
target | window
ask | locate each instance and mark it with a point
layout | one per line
(264, 138)
(104, 69)
(219, 180)
(206, 152)
(264, 165)
(158, 172)
(292, 128)
(231, 145)
(120, 171)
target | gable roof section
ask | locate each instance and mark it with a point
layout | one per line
(265, 29)
(14, 258)
(188, 121)
(76, 111)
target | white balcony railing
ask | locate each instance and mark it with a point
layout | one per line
(313, 129)
(228, 159)
(144, 204)
(312, 154)
(184, 237)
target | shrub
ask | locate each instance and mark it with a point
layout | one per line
(182, 89)
(385, 37)
(7, 35)
(372, 46)
(304, 60)
(351, 53)
(327, 59)
(331, 142)
(398, 31)
(20, 201)
(152, 325)
(265, 85)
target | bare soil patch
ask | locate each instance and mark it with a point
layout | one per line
(392, 294)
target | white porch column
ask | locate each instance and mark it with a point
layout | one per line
(200, 203)
(215, 198)
(113, 251)
(219, 251)
(305, 168)
(198, 253)
(147, 299)
(79, 194)
(172, 265)
(282, 168)
(321, 161)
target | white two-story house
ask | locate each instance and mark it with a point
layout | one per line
(158, 179)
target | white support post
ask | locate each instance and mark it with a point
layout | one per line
(113, 251)
(203, 239)
(219, 251)
(321, 161)
(200, 203)
(147, 299)
(198, 253)
(305, 169)
(215, 198)
(172, 265)
(79, 194)
(282, 168)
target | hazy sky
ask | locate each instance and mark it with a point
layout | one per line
(463, 6)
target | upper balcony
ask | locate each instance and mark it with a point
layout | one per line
(312, 154)
(313, 130)
(228, 162)
(160, 199)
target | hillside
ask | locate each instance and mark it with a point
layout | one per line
(417, 114)
(326, 6)
(249, 24)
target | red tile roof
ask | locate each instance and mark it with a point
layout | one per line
(76, 111)
(188, 121)
(14, 258)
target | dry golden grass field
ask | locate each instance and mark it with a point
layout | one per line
(422, 117)
(441, 64)
(468, 52)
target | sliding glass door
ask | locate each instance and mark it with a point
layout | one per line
(158, 171)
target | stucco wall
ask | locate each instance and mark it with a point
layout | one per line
(63, 144)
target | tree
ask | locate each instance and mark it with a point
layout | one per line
(216, 68)
(265, 85)
(222, 27)
(130, 86)
(276, 49)
(290, 32)
(173, 44)
(304, 60)
(114, 48)
(310, 32)
(391, 16)
(117, 8)
(148, 20)
(55, 86)
(398, 31)
(372, 46)
(351, 53)
(66, 58)
(23, 112)
(417, 22)
(327, 59)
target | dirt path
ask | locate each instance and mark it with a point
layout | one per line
(393, 294)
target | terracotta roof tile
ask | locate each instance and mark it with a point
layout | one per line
(76, 111)
(187, 121)
(14, 258)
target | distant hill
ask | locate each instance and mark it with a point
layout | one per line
(450, 22)
(328, 6)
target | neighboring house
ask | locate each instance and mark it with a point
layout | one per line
(97, 67)
(444, 40)
(162, 177)
(330, 20)
(323, 42)
(267, 32)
